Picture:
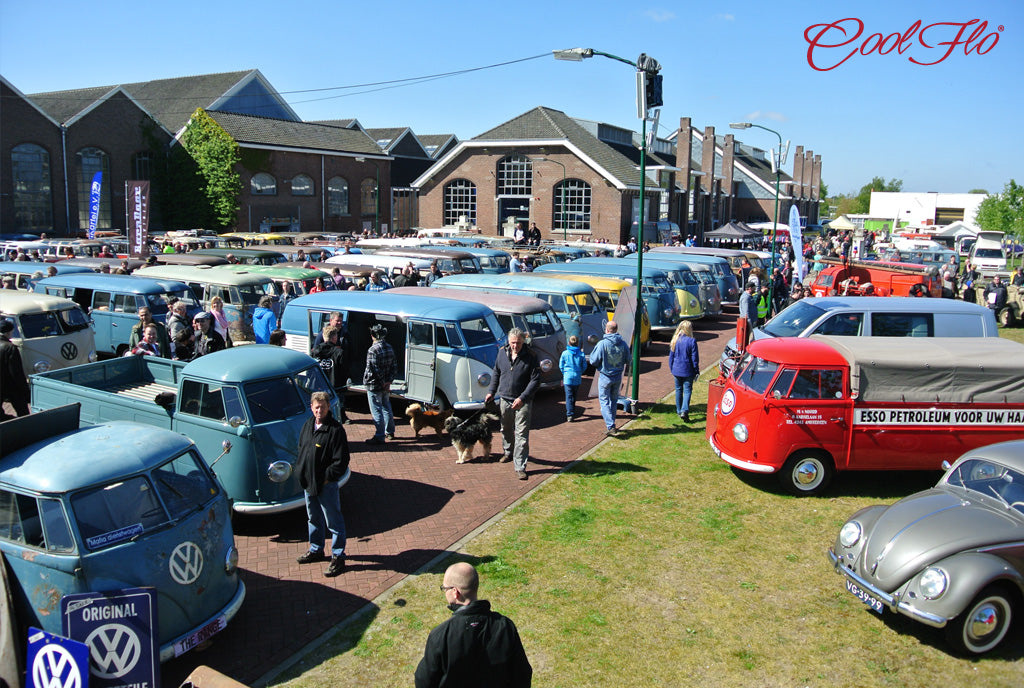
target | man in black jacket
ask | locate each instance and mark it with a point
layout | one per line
(321, 463)
(514, 381)
(332, 353)
(476, 647)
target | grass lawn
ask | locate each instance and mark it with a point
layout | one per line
(651, 563)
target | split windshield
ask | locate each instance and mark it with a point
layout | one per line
(792, 321)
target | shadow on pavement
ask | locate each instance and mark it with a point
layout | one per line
(252, 644)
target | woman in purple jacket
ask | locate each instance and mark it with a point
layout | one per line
(685, 366)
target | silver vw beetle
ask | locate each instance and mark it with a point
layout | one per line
(952, 556)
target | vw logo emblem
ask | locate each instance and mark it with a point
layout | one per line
(186, 563)
(69, 351)
(54, 667)
(114, 650)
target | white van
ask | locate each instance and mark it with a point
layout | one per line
(873, 316)
(987, 254)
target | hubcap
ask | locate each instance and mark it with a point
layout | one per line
(807, 473)
(984, 621)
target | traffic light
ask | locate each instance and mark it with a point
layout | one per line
(652, 89)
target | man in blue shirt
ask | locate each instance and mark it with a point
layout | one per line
(610, 357)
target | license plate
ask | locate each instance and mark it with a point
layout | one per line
(200, 636)
(870, 600)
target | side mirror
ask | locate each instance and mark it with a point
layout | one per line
(235, 421)
(776, 395)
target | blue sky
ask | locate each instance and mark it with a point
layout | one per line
(949, 127)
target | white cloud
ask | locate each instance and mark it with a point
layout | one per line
(726, 17)
(767, 114)
(660, 15)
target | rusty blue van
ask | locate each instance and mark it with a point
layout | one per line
(114, 506)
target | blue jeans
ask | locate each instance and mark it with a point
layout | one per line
(608, 395)
(684, 386)
(380, 409)
(570, 399)
(323, 512)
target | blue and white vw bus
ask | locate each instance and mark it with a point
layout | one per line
(445, 349)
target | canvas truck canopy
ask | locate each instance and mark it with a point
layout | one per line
(934, 369)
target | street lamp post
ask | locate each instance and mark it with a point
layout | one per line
(775, 225)
(565, 231)
(648, 68)
(376, 197)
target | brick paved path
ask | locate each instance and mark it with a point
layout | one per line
(406, 503)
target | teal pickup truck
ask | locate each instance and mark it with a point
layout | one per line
(251, 400)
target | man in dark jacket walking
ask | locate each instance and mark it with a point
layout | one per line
(514, 380)
(476, 647)
(321, 462)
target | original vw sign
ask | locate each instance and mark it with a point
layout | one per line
(115, 650)
(69, 351)
(186, 563)
(728, 402)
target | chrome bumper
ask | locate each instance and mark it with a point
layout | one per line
(891, 601)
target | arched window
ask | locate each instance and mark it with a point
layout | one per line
(263, 184)
(142, 166)
(515, 176)
(459, 200)
(575, 216)
(90, 161)
(337, 197)
(302, 185)
(33, 197)
(368, 196)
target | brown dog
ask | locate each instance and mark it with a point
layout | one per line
(422, 418)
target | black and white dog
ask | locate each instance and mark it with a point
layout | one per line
(466, 434)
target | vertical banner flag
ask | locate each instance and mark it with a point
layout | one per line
(137, 195)
(94, 203)
(797, 242)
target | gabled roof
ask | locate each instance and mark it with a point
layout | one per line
(29, 101)
(545, 126)
(170, 101)
(342, 123)
(437, 143)
(399, 141)
(285, 134)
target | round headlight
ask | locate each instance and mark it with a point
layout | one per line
(933, 583)
(739, 431)
(693, 303)
(93, 356)
(231, 560)
(850, 534)
(483, 379)
(592, 339)
(279, 471)
(41, 366)
(546, 365)
(667, 313)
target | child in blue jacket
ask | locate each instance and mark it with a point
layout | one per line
(572, 364)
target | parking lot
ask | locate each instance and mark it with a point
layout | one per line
(406, 504)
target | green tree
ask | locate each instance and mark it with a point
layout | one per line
(215, 155)
(1004, 212)
(978, 191)
(862, 201)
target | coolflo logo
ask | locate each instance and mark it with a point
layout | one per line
(830, 45)
(115, 650)
(54, 667)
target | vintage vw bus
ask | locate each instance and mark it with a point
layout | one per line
(445, 349)
(50, 332)
(115, 506)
